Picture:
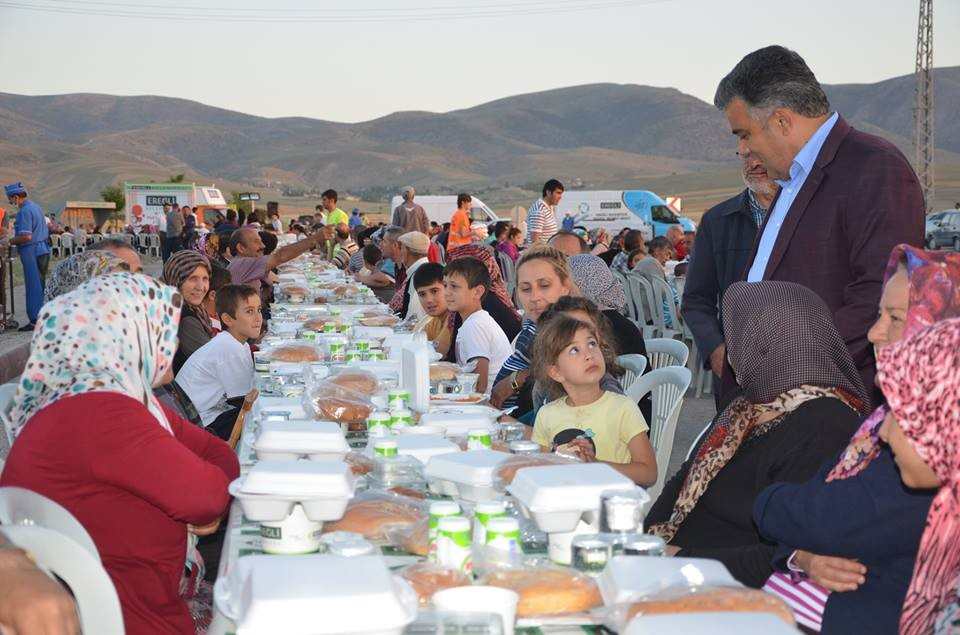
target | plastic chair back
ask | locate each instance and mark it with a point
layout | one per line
(667, 386)
(663, 351)
(667, 302)
(20, 506)
(96, 598)
(634, 365)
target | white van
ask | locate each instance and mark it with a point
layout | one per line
(441, 208)
(616, 209)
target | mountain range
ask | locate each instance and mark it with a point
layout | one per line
(68, 147)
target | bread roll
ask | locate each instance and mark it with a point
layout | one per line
(371, 517)
(712, 599)
(357, 380)
(317, 324)
(295, 353)
(548, 591)
(379, 320)
(507, 470)
(291, 290)
(341, 409)
(427, 578)
(443, 371)
(415, 539)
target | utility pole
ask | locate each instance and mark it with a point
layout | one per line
(923, 108)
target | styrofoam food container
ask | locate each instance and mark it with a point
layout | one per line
(292, 405)
(289, 440)
(557, 495)
(270, 489)
(422, 429)
(629, 578)
(457, 423)
(315, 595)
(468, 475)
(422, 447)
(712, 623)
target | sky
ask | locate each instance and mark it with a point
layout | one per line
(355, 60)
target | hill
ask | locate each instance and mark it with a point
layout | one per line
(600, 135)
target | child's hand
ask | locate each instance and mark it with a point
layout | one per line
(585, 450)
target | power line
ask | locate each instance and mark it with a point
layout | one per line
(197, 14)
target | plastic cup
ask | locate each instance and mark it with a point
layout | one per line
(486, 599)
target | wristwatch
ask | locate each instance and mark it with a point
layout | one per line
(513, 382)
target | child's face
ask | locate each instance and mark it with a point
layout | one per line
(913, 471)
(580, 362)
(458, 295)
(248, 321)
(432, 299)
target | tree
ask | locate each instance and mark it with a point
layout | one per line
(176, 178)
(114, 194)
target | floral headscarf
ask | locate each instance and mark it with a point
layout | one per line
(177, 269)
(785, 350)
(476, 250)
(73, 271)
(114, 333)
(596, 282)
(934, 295)
(920, 377)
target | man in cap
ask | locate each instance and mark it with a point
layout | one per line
(409, 215)
(30, 238)
(413, 247)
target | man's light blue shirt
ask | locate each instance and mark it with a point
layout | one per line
(799, 169)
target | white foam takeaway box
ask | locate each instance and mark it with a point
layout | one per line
(630, 578)
(710, 623)
(455, 423)
(422, 447)
(316, 595)
(415, 373)
(556, 496)
(291, 407)
(269, 490)
(468, 475)
(289, 440)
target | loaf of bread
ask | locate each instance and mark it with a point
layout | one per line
(507, 470)
(360, 381)
(317, 324)
(341, 410)
(295, 353)
(443, 371)
(712, 600)
(371, 517)
(379, 320)
(427, 578)
(548, 591)
(295, 291)
(414, 538)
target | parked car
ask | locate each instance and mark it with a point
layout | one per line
(946, 233)
(933, 222)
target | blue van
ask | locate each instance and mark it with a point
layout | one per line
(616, 209)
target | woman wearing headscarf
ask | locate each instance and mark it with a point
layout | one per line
(801, 398)
(189, 272)
(92, 437)
(496, 302)
(921, 288)
(596, 283)
(212, 247)
(74, 270)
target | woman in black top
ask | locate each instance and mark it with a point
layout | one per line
(801, 399)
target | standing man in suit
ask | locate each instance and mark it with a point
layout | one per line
(719, 258)
(846, 197)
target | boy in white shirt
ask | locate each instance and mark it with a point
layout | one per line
(220, 373)
(480, 340)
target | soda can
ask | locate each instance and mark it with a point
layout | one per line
(374, 355)
(330, 327)
(483, 513)
(503, 533)
(479, 439)
(438, 510)
(362, 345)
(398, 394)
(353, 355)
(309, 335)
(385, 447)
(343, 327)
(454, 547)
(400, 418)
(378, 424)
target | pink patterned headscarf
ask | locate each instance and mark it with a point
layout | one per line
(920, 377)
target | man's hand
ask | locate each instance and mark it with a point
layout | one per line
(835, 574)
(502, 390)
(204, 530)
(717, 359)
(32, 602)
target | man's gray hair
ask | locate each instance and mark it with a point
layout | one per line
(770, 78)
(111, 243)
(393, 232)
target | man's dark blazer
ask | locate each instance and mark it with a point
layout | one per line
(860, 200)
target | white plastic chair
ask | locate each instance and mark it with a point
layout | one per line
(153, 245)
(59, 544)
(642, 294)
(668, 386)
(56, 250)
(66, 244)
(663, 351)
(7, 391)
(666, 305)
(634, 365)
